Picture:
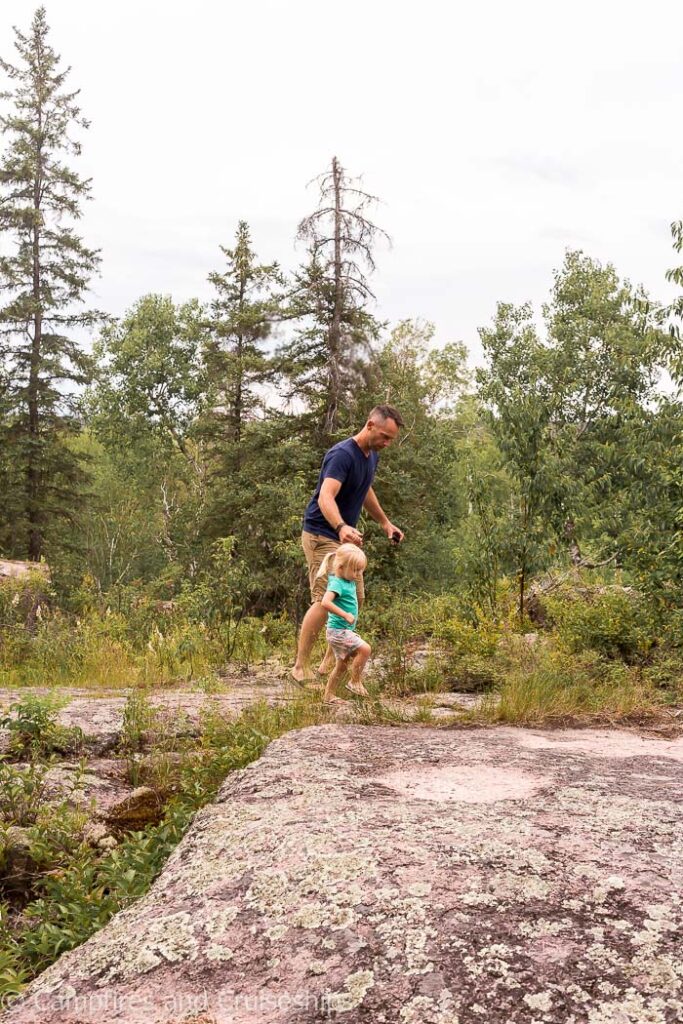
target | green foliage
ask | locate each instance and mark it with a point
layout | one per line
(419, 476)
(13, 973)
(22, 600)
(471, 654)
(22, 791)
(675, 311)
(516, 396)
(573, 416)
(138, 717)
(149, 381)
(34, 730)
(615, 623)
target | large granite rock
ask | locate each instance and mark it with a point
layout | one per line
(407, 875)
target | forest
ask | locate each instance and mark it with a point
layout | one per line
(159, 462)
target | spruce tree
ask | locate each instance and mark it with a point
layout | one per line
(246, 305)
(326, 359)
(44, 274)
(242, 315)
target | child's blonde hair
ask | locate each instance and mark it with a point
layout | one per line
(347, 556)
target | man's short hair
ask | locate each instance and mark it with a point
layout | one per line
(386, 412)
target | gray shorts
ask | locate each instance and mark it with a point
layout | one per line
(344, 642)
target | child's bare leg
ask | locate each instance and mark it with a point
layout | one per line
(358, 664)
(336, 676)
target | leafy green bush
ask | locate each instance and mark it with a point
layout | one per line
(471, 653)
(462, 639)
(138, 718)
(35, 732)
(279, 632)
(672, 630)
(616, 623)
(22, 792)
(13, 972)
(25, 599)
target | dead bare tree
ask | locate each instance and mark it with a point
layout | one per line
(334, 286)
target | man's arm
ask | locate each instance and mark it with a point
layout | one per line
(375, 510)
(330, 509)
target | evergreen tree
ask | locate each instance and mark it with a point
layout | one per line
(242, 315)
(238, 372)
(44, 276)
(325, 360)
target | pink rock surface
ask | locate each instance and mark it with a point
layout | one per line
(365, 874)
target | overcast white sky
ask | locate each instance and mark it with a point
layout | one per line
(497, 134)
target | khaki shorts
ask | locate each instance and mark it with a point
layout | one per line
(316, 546)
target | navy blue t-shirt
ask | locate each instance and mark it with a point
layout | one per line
(345, 462)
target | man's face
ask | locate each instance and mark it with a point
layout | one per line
(381, 433)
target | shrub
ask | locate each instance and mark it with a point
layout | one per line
(34, 730)
(616, 623)
(13, 973)
(24, 600)
(22, 792)
(471, 653)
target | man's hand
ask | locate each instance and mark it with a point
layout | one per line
(348, 535)
(393, 533)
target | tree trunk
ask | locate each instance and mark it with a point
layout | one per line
(522, 585)
(335, 332)
(33, 456)
(239, 382)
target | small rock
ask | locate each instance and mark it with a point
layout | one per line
(17, 865)
(143, 806)
(96, 834)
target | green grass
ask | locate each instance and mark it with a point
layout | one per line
(552, 687)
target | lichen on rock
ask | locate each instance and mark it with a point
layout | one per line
(315, 887)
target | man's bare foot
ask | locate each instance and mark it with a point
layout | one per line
(300, 674)
(358, 689)
(325, 666)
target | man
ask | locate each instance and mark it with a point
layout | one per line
(344, 490)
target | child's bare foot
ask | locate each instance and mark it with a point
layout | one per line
(334, 700)
(358, 689)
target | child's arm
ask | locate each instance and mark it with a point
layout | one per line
(329, 606)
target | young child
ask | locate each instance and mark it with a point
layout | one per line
(341, 603)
